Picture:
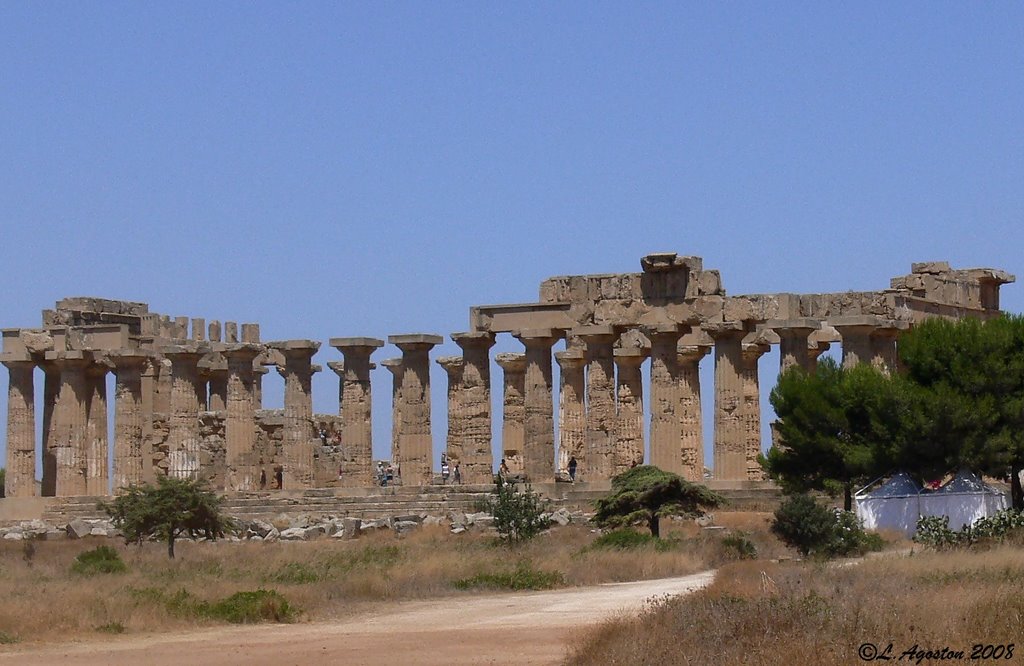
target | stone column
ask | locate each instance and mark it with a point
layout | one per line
(513, 415)
(453, 367)
(794, 345)
(751, 408)
(690, 412)
(128, 418)
(257, 383)
(162, 395)
(51, 388)
(666, 424)
(354, 405)
(629, 422)
(572, 423)
(883, 346)
(539, 425)
(70, 422)
(730, 458)
(97, 481)
(217, 374)
(183, 421)
(299, 435)
(599, 341)
(240, 417)
(394, 366)
(856, 333)
(20, 480)
(477, 458)
(415, 439)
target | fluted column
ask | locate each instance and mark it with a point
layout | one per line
(751, 408)
(453, 367)
(629, 418)
(730, 456)
(477, 457)
(883, 346)
(539, 426)
(691, 416)
(599, 341)
(21, 427)
(97, 480)
(415, 439)
(355, 406)
(666, 424)
(183, 422)
(214, 372)
(299, 435)
(70, 422)
(572, 423)
(240, 417)
(513, 414)
(128, 418)
(397, 370)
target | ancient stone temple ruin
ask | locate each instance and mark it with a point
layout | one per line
(188, 394)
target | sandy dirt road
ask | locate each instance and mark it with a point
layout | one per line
(518, 628)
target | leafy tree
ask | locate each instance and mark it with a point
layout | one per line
(645, 494)
(814, 529)
(172, 508)
(972, 374)
(839, 427)
(518, 514)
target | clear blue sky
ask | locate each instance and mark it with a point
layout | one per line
(335, 170)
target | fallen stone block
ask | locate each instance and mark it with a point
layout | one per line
(78, 529)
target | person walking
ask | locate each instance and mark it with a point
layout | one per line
(572, 469)
(457, 474)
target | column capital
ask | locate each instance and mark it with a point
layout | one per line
(242, 351)
(538, 337)
(595, 334)
(451, 364)
(355, 344)
(392, 364)
(414, 342)
(511, 362)
(570, 359)
(296, 347)
(338, 367)
(474, 339)
(630, 357)
(17, 361)
(724, 330)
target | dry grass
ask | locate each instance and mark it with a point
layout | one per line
(42, 599)
(764, 613)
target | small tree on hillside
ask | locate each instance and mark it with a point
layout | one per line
(645, 494)
(517, 513)
(172, 508)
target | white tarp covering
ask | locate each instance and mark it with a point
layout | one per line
(965, 499)
(892, 506)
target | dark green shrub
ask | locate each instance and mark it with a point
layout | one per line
(111, 628)
(814, 529)
(627, 539)
(252, 607)
(523, 577)
(739, 546)
(99, 560)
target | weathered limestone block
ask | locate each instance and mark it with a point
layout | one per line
(629, 422)
(416, 441)
(513, 419)
(571, 410)
(354, 406)
(476, 457)
(21, 427)
(601, 419)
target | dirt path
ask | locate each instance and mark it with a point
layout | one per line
(529, 628)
